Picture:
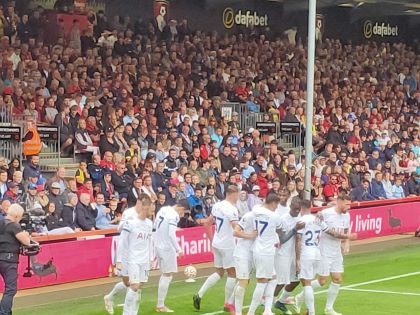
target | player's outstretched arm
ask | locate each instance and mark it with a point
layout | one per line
(342, 235)
(297, 250)
(239, 232)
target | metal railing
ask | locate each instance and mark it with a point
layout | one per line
(5, 115)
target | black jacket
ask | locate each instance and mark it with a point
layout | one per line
(85, 217)
(69, 216)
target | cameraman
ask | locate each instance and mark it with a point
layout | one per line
(11, 238)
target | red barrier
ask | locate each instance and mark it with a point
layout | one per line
(385, 220)
(73, 261)
(76, 260)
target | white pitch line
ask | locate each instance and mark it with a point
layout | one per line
(347, 287)
(382, 291)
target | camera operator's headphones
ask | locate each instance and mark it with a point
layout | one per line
(32, 249)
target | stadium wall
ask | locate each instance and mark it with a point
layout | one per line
(71, 260)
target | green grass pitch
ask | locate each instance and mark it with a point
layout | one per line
(380, 282)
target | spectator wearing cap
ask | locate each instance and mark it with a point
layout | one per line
(262, 182)
(59, 177)
(254, 198)
(108, 142)
(56, 197)
(31, 198)
(12, 194)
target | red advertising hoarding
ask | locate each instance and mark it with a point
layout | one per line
(72, 261)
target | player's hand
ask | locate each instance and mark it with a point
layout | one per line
(353, 236)
(253, 234)
(118, 266)
(300, 225)
(181, 253)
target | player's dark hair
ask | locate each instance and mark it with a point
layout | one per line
(343, 196)
(272, 198)
(296, 203)
(231, 189)
(183, 203)
(305, 204)
(144, 199)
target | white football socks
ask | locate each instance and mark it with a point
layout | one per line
(284, 296)
(256, 297)
(229, 288)
(119, 287)
(164, 283)
(269, 295)
(239, 299)
(332, 295)
(309, 299)
(211, 281)
(131, 303)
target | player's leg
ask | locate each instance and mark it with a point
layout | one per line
(168, 265)
(211, 280)
(118, 287)
(243, 271)
(308, 272)
(269, 295)
(229, 266)
(131, 301)
(264, 266)
(334, 288)
(283, 271)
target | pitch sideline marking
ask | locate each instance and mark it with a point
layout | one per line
(347, 287)
(382, 291)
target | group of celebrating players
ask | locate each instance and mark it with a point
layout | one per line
(280, 239)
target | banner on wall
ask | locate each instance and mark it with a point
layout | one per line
(72, 261)
(232, 17)
(161, 13)
(374, 30)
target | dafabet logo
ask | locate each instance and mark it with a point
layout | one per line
(379, 29)
(247, 18)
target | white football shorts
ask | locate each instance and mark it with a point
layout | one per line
(223, 258)
(138, 273)
(331, 265)
(243, 267)
(167, 260)
(309, 268)
(285, 269)
(264, 266)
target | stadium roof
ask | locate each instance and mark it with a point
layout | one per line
(361, 8)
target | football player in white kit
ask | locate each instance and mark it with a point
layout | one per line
(331, 247)
(135, 247)
(128, 214)
(308, 255)
(267, 223)
(246, 234)
(283, 207)
(287, 279)
(167, 248)
(225, 216)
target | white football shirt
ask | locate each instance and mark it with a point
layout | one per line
(311, 234)
(288, 223)
(331, 246)
(136, 237)
(281, 210)
(267, 223)
(243, 247)
(224, 213)
(166, 223)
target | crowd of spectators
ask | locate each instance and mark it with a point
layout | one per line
(142, 109)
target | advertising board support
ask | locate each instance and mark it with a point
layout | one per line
(291, 136)
(50, 137)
